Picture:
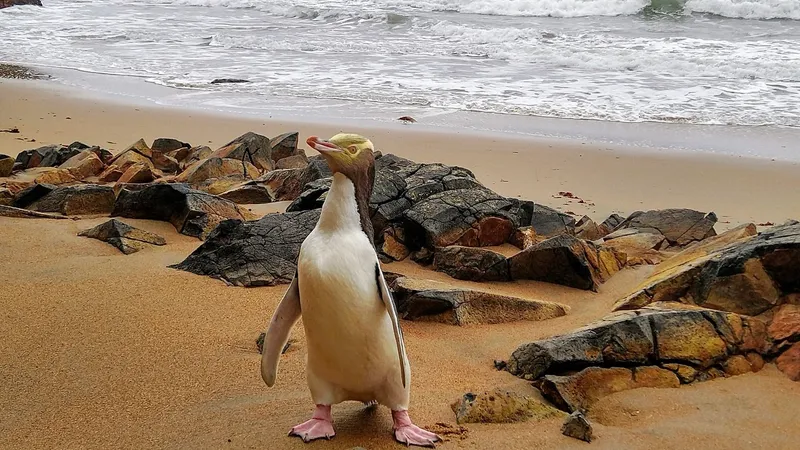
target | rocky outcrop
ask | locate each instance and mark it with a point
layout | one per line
(472, 264)
(191, 212)
(680, 227)
(577, 426)
(438, 302)
(6, 165)
(76, 200)
(734, 272)
(258, 253)
(694, 343)
(500, 406)
(250, 147)
(126, 238)
(568, 261)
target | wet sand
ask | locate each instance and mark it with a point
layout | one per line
(103, 350)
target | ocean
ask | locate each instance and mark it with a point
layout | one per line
(734, 63)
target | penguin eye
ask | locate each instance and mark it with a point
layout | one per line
(352, 149)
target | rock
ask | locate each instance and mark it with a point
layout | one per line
(734, 271)
(524, 237)
(78, 145)
(316, 169)
(166, 145)
(247, 194)
(11, 211)
(438, 302)
(282, 185)
(56, 177)
(423, 256)
(312, 197)
(686, 374)
(588, 230)
(165, 163)
(568, 261)
(577, 426)
(47, 156)
(32, 193)
(192, 155)
(213, 168)
(736, 365)
(789, 362)
(219, 185)
(639, 247)
(141, 148)
(580, 391)
(76, 200)
(228, 81)
(249, 147)
(545, 221)
(191, 212)
(9, 3)
(6, 197)
(785, 324)
(284, 146)
(137, 173)
(693, 336)
(126, 238)
(472, 264)
(755, 360)
(679, 226)
(292, 162)
(6, 165)
(500, 406)
(611, 223)
(121, 163)
(259, 253)
(470, 217)
(393, 246)
(84, 165)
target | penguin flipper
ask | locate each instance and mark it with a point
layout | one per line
(388, 301)
(284, 318)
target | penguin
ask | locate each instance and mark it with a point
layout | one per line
(355, 344)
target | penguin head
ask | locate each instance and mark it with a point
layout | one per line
(344, 152)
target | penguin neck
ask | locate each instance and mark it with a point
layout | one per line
(346, 208)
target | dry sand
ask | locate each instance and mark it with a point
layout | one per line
(103, 350)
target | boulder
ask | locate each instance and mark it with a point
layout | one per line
(393, 246)
(219, 185)
(248, 193)
(6, 165)
(438, 302)
(126, 238)
(695, 337)
(47, 156)
(250, 147)
(472, 264)
(192, 155)
(56, 177)
(284, 146)
(546, 222)
(259, 253)
(120, 163)
(191, 212)
(789, 362)
(32, 193)
(292, 162)
(84, 165)
(470, 217)
(639, 247)
(165, 163)
(423, 256)
(524, 237)
(568, 261)
(76, 200)
(137, 173)
(166, 145)
(6, 197)
(679, 226)
(11, 211)
(215, 167)
(611, 223)
(282, 185)
(736, 365)
(735, 272)
(588, 230)
(501, 406)
(141, 148)
(316, 169)
(785, 324)
(577, 426)
(580, 391)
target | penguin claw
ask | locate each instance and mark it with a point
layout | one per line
(409, 434)
(318, 427)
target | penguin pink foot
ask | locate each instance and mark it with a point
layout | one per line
(320, 426)
(407, 433)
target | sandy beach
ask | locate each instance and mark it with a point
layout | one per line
(104, 350)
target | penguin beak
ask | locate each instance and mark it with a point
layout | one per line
(322, 145)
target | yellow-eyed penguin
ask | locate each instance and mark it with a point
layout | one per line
(355, 345)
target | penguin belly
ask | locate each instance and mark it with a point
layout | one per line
(352, 354)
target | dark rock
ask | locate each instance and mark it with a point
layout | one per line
(228, 81)
(438, 302)
(250, 147)
(734, 272)
(47, 156)
(577, 426)
(247, 194)
(191, 212)
(6, 165)
(545, 221)
(192, 155)
(77, 145)
(32, 193)
(316, 169)
(284, 146)
(423, 256)
(10, 211)
(611, 223)
(568, 261)
(9, 3)
(500, 406)
(473, 264)
(525, 237)
(259, 253)
(76, 200)
(6, 197)
(695, 337)
(282, 185)
(126, 238)
(393, 246)
(166, 145)
(680, 226)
